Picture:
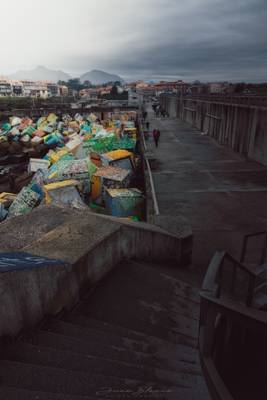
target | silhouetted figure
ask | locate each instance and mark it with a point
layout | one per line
(147, 125)
(156, 136)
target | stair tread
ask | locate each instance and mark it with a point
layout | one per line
(116, 353)
(138, 329)
(144, 342)
(137, 296)
(69, 360)
(143, 317)
(144, 301)
(55, 380)
(11, 393)
(116, 329)
(146, 282)
(161, 275)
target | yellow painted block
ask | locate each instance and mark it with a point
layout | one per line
(7, 195)
(61, 184)
(57, 155)
(118, 154)
(52, 117)
(96, 187)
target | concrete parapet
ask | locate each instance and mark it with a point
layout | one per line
(241, 127)
(88, 246)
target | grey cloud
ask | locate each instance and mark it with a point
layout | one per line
(193, 39)
(234, 48)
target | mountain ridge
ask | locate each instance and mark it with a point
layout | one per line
(96, 76)
(42, 73)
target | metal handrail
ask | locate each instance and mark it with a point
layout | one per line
(212, 305)
(153, 191)
(245, 244)
(237, 310)
(213, 278)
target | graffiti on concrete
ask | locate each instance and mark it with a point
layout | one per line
(20, 260)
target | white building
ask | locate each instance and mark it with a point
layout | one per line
(216, 88)
(35, 89)
(5, 87)
(135, 99)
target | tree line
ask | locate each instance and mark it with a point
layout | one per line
(76, 84)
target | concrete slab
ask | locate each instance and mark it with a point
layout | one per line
(88, 247)
(222, 194)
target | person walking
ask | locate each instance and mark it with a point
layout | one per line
(156, 136)
(147, 125)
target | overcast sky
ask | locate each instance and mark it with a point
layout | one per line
(151, 39)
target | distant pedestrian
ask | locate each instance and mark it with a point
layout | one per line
(147, 125)
(156, 136)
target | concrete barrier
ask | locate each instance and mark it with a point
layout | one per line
(239, 126)
(89, 246)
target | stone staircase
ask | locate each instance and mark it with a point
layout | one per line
(133, 336)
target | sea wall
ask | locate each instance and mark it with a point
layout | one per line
(241, 127)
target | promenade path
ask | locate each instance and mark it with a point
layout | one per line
(223, 195)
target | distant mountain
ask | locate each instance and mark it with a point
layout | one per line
(97, 77)
(41, 73)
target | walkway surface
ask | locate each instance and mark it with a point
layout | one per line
(223, 195)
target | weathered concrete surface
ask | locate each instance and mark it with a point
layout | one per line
(221, 194)
(89, 244)
(179, 226)
(21, 231)
(239, 126)
(137, 330)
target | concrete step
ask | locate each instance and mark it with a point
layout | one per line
(68, 360)
(182, 278)
(151, 288)
(11, 393)
(140, 343)
(149, 341)
(142, 316)
(169, 354)
(137, 297)
(157, 275)
(55, 380)
(120, 354)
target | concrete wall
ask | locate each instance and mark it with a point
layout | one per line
(239, 126)
(90, 246)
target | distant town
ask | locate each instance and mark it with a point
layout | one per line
(120, 90)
